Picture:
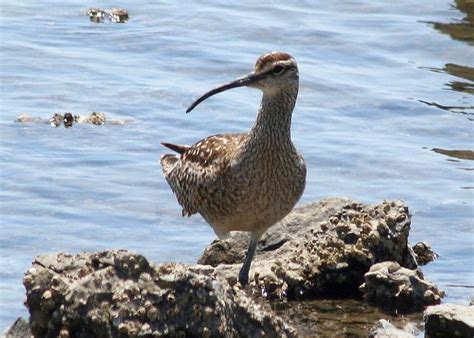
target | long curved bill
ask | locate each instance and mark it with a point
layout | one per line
(243, 81)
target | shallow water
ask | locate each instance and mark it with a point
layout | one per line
(382, 84)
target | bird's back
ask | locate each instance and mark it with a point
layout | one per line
(195, 174)
(233, 184)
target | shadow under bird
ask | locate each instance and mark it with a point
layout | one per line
(244, 181)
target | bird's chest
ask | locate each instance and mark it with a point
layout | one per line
(269, 181)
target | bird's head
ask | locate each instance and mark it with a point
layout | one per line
(273, 72)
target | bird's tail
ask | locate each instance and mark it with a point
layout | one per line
(180, 149)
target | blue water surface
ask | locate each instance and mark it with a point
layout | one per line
(373, 87)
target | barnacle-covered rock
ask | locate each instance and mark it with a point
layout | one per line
(424, 253)
(324, 248)
(399, 289)
(120, 294)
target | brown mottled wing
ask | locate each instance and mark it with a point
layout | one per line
(193, 175)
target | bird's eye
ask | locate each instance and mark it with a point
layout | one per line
(277, 70)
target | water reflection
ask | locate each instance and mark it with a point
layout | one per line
(342, 318)
(463, 30)
(465, 110)
(462, 154)
(463, 72)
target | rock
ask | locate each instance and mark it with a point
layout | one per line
(118, 15)
(25, 118)
(96, 118)
(96, 14)
(56, 120)
(393, 287)
(68, 119)
(449, 320)
(340, 317)
(19, 329)
(424, 253)
(120, 294)
(384, 329)
(321, 249)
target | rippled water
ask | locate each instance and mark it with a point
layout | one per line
(382, 84)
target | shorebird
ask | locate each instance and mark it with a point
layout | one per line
(244, 181)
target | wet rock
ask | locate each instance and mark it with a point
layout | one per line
(19, 329)
(96, 118)
(424, 253)
(120, 294)
(340, 317)
(96, 14)
(449, 320)
(321, 249)
(68, 119)
(56, 120)
(118, 15)
(397, 288)
(384, 329)
(25, 118)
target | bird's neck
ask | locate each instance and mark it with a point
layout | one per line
(273, 122)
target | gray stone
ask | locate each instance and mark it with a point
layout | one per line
(449, 320)
(120, 294)
(321, 249)
(424, 253)
(395, 288)
(384, 329)
(19, 329)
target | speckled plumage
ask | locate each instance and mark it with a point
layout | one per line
(246, 181)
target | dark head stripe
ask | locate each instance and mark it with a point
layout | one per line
(269, 58)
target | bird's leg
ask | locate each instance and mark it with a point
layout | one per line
(244, 271)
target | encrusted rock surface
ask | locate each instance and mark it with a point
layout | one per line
(19, 329)
(120, 294)
(424, 253)
(395, 288)
(449, 320)
(323, 248)
(116, 15)
(69, 119)
(384, 329)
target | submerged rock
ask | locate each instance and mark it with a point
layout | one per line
(68, 119)
(116, 15)
(449, 320)
(96, 14)
(96, 118)
(117, 293)
(321, 249)
(56, 120)
(340, 317)
(399, 289)
(25, 118)
(384, 329)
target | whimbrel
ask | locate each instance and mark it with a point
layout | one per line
(244, 181)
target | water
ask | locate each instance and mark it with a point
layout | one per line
(380, 87)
